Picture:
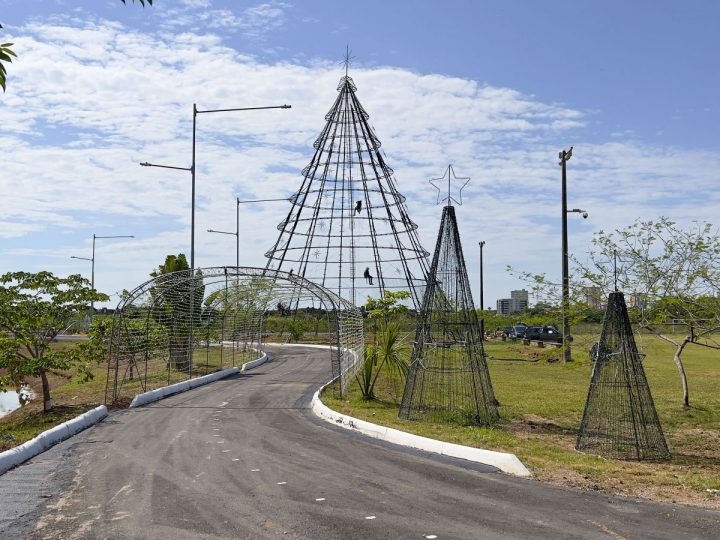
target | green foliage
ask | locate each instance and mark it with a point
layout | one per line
(6, 55)
(367, 377)
(389, 354)
(177, 306)
(296, 328)
(388, 306)
(34, 308)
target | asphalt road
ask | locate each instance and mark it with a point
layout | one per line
(245, 458)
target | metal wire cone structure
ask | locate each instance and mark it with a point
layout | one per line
(448, 379)
(348, 228)
(620, 420)
(182, 325)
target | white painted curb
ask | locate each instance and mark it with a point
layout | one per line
(312, 345)
(508, 463)
(254, 363)
(165, 391)
(20, 454)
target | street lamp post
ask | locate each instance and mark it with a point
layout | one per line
(564, 156)
(482, 299)
(92, 260)
(236, 234)
(192, 168)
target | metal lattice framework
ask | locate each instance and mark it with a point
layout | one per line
(182, 325)
(448, 378)
(620, 420)
(348, 228)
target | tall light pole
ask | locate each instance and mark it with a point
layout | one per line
(237, 236)
(192, 168)
(482, 299)
(564, 156)
(92, 260)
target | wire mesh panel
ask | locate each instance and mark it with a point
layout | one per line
(348, 228)
(183, 324)
(448, 378)
(620, 420)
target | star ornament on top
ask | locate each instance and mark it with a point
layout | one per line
(450, 185)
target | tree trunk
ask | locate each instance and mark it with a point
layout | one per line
(681, 371)
(47, 402)
(679, 347)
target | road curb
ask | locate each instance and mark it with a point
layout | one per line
(160, 393)
(165, 391)
(29, 449)
(507, 463)
(254, 363)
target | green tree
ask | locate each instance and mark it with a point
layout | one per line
(34, 308)
(6, 55)
(177, 302)
(673, 277)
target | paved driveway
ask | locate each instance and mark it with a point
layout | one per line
(245, 458)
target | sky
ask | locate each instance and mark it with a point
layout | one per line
(496, 89)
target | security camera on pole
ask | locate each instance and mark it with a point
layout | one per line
(564, 156)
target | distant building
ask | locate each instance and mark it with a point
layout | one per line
(637, 300)
(517, 302)
(593, 297)
(520, 299)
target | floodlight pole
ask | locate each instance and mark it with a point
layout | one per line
(482, 299)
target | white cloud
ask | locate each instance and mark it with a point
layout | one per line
(87, 102)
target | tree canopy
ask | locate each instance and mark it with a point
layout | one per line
(34, 309)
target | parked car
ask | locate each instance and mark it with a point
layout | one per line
(543, 333)
(519, 330)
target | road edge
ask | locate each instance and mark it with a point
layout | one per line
(47, 439)
(160, 393)
(506, 462)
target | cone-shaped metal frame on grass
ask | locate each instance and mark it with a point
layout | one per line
(348, 228)
(448, 379)
(620, 420)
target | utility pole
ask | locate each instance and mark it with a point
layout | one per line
(564, 156)
(482, 299)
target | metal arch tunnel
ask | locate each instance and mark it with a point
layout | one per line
(187, 323)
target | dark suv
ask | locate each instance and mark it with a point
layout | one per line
(515, 332)
(543, 333)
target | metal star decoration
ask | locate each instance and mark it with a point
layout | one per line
(347, 59)
(450, 178)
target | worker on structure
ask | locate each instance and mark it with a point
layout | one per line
(367, 275)
(358, 207)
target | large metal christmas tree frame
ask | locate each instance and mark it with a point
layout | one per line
(620, 420)
(448, 379)
(348, 228)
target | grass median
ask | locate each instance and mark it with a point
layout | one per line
(541, 407)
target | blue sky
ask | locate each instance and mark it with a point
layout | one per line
(496, 88)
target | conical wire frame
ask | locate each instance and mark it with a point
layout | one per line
(448, 379)
(348, 228)
(620, 420)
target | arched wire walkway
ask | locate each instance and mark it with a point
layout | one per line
(178, 326)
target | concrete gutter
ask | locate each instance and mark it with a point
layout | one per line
(20, 454)
(508, 463)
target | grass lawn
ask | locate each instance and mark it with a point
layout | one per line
(541, 408)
